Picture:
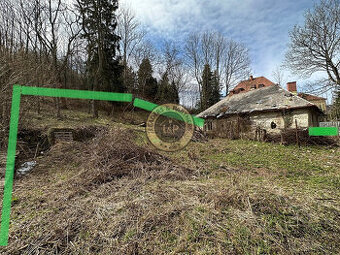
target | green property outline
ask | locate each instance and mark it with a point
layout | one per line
(150, 107)
(13, 131)
(323, 131)
(75, 94)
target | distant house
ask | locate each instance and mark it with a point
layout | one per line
(318, 101)
(251, 84)
(258, 112)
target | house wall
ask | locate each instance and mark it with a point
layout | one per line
(304, 118)
(320, 103)
(254, 123)
(264, 120)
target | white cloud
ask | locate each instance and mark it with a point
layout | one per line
(262, 25)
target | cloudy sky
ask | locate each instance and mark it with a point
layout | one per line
(262, 25)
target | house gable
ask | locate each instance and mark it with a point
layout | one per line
(251, 84)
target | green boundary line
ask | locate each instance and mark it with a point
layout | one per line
(76, 94)
(151, 106)
(13, 131)
(12, 142)
(323, 131)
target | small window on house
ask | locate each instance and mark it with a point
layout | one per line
(209, 126)
(241, 89)
(253, 86)
(273, 125)
(261, 85)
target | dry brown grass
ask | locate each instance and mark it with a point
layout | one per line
(111, 196)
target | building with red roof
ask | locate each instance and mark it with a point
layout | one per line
(251, 84)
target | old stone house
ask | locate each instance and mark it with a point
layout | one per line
(259, 112)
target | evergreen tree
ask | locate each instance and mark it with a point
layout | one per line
(151, 89)
(147, 85)
(163, 89)
(215, 90)
(206, 87)
(174, 97)
(99, 29)
(167, 92)
(210, 88)
(144, 73)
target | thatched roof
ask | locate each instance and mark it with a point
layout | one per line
(271, 98)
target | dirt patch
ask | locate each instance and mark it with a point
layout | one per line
(30, 139)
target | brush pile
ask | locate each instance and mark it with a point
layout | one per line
(301, 137)
(199, 136)
(113, 155)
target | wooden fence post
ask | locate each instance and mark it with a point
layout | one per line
(296, 133)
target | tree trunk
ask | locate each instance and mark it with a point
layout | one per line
(95, 109)
(58, 107)
(63, 99)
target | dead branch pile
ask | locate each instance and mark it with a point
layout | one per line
(199, 136)
(113, 155)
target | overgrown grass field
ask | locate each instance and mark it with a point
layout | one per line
(116, 194)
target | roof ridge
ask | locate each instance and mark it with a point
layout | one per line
(304, 93)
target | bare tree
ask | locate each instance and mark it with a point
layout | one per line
(37, 42)
(199, 51)
(236, 63)
(220, 49)
(173, 64)
(130, 31)
(207, 47)
(278, 75)
(193, 53)
(57, 28)
(144, 50)
(229, 59)
(315, 46)
(131, 34)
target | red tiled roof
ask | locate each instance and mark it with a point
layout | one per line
(309, 97)
(247, 85)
